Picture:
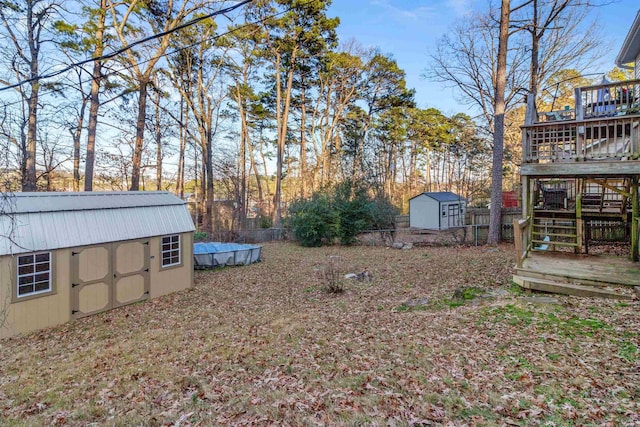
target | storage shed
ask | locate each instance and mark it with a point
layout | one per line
(437, 210)
(68, 255)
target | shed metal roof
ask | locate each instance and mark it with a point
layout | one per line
(47, 221)
(442, 196)
(631, 45)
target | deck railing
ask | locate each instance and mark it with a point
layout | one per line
(603, 126)
(521, 239)
(611, 138)
(608, 99)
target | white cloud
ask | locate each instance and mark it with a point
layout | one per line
(460, 7)
(415, 13)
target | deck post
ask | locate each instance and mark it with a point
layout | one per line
(634, 219)
(517, 240)
(635, 136)
(579, 107)
(579, 223)
(525, 195)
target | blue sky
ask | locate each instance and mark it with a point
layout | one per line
(409, 29)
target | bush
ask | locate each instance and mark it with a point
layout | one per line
(341, 213)
(265, 221)
(313, 221)
(199, 236)
(352, 205)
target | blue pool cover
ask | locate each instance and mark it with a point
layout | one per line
(217, 254)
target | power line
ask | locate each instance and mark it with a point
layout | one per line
(128, 67)
(129, 46)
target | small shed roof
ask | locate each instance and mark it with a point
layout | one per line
(631, 45)
(442, 196)
(45, 221)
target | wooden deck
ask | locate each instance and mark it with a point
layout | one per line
(582, 275)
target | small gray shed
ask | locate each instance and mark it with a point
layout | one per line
(437, 210)
(68, 255)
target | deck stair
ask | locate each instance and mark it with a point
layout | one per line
(554, 228)
(564, 287)
(579, 274)
(606, 195)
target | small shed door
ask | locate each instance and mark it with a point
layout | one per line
(454, 215)
(91, 280)
(109, 276)
(130, 272)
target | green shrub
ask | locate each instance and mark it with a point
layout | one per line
(341, 213)
(352, 206)
(265, 221)
(313, 221)
(200, 235)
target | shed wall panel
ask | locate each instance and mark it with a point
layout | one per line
(172, 279)
(423, 212)
(37, 313)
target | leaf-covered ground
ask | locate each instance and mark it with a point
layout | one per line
(266, 345)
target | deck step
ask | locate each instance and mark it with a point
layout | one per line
(542, 233)
(559, 227)
(553, 242)
(566, 277)
(552, 286)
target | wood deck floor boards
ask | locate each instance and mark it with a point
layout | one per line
(589, 269)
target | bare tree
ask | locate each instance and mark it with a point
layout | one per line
(467, 61)
(135, 18)
(558, 37)
(96, 82)
(24, 25)
(495, 220)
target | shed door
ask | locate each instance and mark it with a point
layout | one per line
(109, 276)
(130, 272)
(454, 215)
(91, 280)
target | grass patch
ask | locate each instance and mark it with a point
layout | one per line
(512, 314)
(515, 289)
(628, 351)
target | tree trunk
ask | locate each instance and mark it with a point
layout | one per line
(535, 49)
(76, 145)
(136, 161)
(95, 100)
(280, 148)
(303, 145)
(158, 144)
(495, 220)
(29, 179)
(209, 221)
(183, 145)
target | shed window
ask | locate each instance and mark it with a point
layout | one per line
(171, 250)
(34, 274)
